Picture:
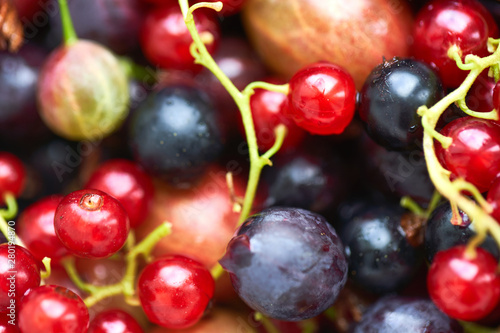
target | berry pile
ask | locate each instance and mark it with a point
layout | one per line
(250, 166)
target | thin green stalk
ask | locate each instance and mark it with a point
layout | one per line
(242, 100)
(69, 33)
(438, 174)
(126, 286)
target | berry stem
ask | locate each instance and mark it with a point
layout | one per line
(8, 229)
(438, 174)
(126, 286)
(138, 72)
(48, 270)
(69, 33)
(242, 100)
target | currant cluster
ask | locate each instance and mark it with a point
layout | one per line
(203, 166)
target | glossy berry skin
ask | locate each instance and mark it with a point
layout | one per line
(480, 95)
(114, 321)
(464, 288)
(129, 184)
(403, 314)
(322, 98)
(12, 175)
(53, 309)
(390, 98)
(381, 259)
(441, 234)
(165, 39)
(443, 23)
(286, 263)
(175, 291)
(91, 224)
(475, 151)
(18, 266)
(268, 111)
(305, 181)
(175, 133)
(36, 229)
(496, 96)
(493, 198)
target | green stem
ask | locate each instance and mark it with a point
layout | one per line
(438, 174)
(48, 270)
(127, 284)
(11, 211)
(69, 33)
(408, 203)
(242, 100)
(217, 271)
(138, 72)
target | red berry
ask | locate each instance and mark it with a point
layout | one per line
(268, 111)
(493, 198)
(443, 23)
(12, 175)
(53, 309)
(464, 288)
(475, 152)
(165, 39)
(91, 224)
(36, 229)
(322, 98)
(127, 182)
(114, 321)
(480, 95)
(19, 273)
(174, 291)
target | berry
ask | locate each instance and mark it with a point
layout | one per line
(443, 23)
(441, 234)
(401, 314)
(380, 257)
(19, 273)
(91, 224)
(114, 321)
(165, 39)
(175, 134)
(129, 184)
(12, 175)
(53, 309)
(480, 95)
(83, 105)
(322, 98)
(268, 111)
(286, 263)
(36, 229)
(458, 283)
(175, 291)
(474, 153)
(390, 98)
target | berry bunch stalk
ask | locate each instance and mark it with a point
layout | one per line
(478, 209)
(242, 100)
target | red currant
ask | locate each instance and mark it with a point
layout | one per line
(19, 273)
(493, 198)
(128, 183)
(114, 321)
(268, 111)
(174, 291)
(91, 224)
(6, 327)
(464, 288)
(480, 95)
(475, 151)
(36, 229)
(12, 175)
(165, 39)
(53, 309)
(322, 98)
(443, 23)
